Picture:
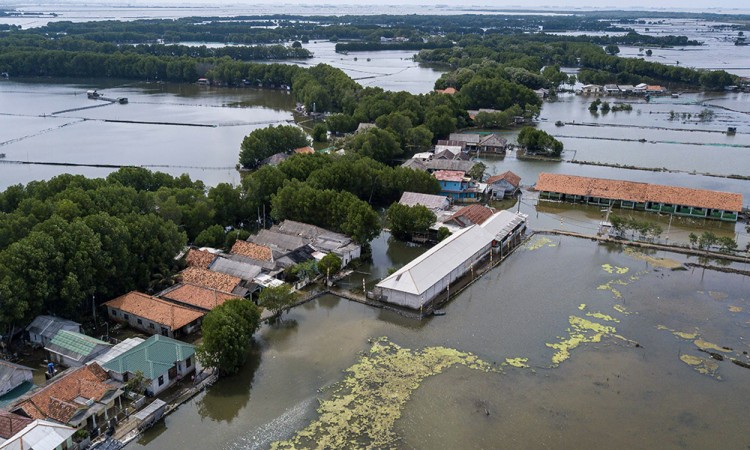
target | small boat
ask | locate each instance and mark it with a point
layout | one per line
(438, 312)
(92, 94)
(675, 95)
(122, 100)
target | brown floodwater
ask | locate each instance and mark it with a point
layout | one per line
(605, 335)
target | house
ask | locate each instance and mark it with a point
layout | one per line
(680, 201)
(453, 164)
(468, 140)
(41, 435)
(162, 360)
(252, 251)
(307, 150)
(626, 88)
(448, 90)
(73, 349)
(43, 328)
(194, 296)
(275, 159)
(153, 315)
(640, 88)
(457, 186)
(240, 267)
(452, 149)
(418, 283)
(542, 92)
(451, 155)
(469, 215)
(83, 397)
(414, 164)
(451, 143)
(492, 143)
(117, 350)
(423, 156)
(210, 279)
(363, 126)
(656, 89)
(588, 89)
(322, 240)
(611, 89)
(431, 202)
(10, 425)
(13, 375)
(199, 258)
(504, 185)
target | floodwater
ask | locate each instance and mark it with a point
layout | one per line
(627, 388)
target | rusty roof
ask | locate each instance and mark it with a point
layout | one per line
(449, 175)
(475, 214)
(251, 250)
(10, 424)
(448, 90)
(56, 400)
(210, 279)
(155, 309)
(304, 150)
(199, 258)
(198, 296)
(639, 192)
(508, 176)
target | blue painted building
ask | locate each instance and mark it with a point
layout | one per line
(460, 188)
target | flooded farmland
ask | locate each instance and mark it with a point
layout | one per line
(607, 349)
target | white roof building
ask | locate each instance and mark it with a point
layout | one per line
(40, 435)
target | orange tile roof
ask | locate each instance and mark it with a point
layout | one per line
(449, 175)
(209, 279)
(56, 400)
(199, 258)
(253, 251)
(11, 424)
(508, 176)
(304, 150)
(155, 309)
(475, 213)
(197, 296)
(638, 192)
(448, 90)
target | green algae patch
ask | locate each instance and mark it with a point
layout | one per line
(703, 345)
(621, 309)
(536, 244)
(610, 287)
(518, 362)
(582, 306)
(581, 331)
(679, 334)
(365, 405)
(735, 309)
(666, 263)
(609, 268)
(601, 316)
(701, 365)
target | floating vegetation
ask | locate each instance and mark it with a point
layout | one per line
(735, 309)
(518, 362)
(703, 345)
(610, 285)
(615, 269)
(621, 309)
(366, 404)
(679, 334)
(538, 243)
(701, 365)
(582, 306)
(581, 331)
(666, 263)
(601, 316)
(717, 295)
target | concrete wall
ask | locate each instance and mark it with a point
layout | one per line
(133, 321)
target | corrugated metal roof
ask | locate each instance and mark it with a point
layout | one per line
(428, 200)
(74, 345)
(40, 435)
(242, 270)
(154, 357)
(501, 224)
(118, 350)
(449, 164)
(48, 326)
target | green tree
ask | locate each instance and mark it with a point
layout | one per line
(227, 331)
(264, 142)
(440, 121)
(443, 233)
(612, 49)
(477, 172)
(329, 264)
(212, 236)
(727, 244)
(380, 145)
(404, 220)
(341, 123)
(539, 141)
(320, 133)
(277, 299)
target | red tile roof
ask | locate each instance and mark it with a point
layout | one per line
(448, 90)
(11, 424)
(197, 296)
(475, 213)
(508, 176)
(449, 175)
(155, 309)
(253, 251)
(304, 150)
(639, 192)
(209, 279)
(199, 258)
(56, 400)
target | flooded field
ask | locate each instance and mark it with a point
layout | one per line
(531, 356)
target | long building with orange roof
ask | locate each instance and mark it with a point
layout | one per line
(154, 315)
(680, 201)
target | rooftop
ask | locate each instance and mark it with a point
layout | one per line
(472, 214)
(508, 176)
(639, 192)
(304, 150)
(449, 175)
(48, 326)
(56, 400)
(118, 350)
(198, 296)
(74, 345)
(199, 258)
(39, 435)
(449, 164)
(210, 279)
(251, 250)
(155, 310)
(428, 200)
(154, 357)
(11, 424)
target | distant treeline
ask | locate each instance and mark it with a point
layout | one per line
(375, 46)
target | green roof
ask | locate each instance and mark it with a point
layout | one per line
(154, 357)
(75, 345)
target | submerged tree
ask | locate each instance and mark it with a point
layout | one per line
(227, 330)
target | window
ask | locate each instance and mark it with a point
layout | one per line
(140, 322)
(161, 380)
(188, 363)
(126, 317)
(151, 325)
(114, 313)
